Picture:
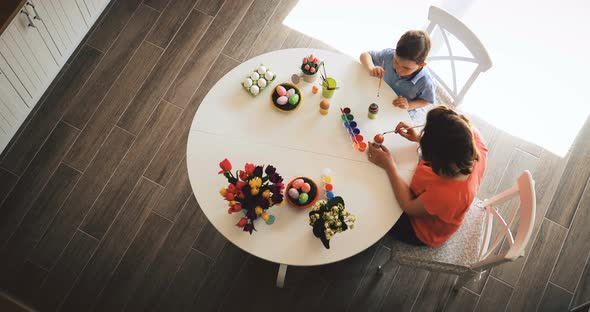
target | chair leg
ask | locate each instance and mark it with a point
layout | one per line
(281, 275)
(463, 279)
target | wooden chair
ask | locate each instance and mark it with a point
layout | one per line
(468, 252)
(448, 24)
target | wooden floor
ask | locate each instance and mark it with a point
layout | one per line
(97, 212)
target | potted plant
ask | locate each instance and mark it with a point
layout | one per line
(310, 67)
(328, 218)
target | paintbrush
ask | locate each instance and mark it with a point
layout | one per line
(381, 78)
(419, 126)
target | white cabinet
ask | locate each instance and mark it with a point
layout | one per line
(33, 48)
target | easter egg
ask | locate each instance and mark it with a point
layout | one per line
(282, 100)
(290, 92)
(281, 91)
(294, 99)
(269, 75)
(261, 70)
(247, 82)
(303, 197)
(305, 187)
(324, 104)
(254, 90)
(298, 183)
(271, 220)
(293, 193)
(314, 89)
(254, 76)
(262, 82)
(379, 138)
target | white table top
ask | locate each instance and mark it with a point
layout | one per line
(232, 124)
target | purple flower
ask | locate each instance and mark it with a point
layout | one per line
(275, 178)
(251, 214)
(277, 198)
(249, 228)
(258, 171)
(270, 170)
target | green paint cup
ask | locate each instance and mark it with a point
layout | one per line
(328, 87)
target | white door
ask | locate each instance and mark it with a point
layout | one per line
(13, 111)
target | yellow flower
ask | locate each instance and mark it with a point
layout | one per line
(222, 192)
(265, 216)
(266, 194)
(255, 182)
(258, 210)
(233, 202)
(254, 191)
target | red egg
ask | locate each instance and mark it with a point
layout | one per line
(379, 138)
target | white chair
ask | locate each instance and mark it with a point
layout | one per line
(448, 24)
(468, 252)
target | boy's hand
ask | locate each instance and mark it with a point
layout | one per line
(401, 102)
(407, 132)
(377, 71)
(380, 155)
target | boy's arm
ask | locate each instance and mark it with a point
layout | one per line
(367, 61)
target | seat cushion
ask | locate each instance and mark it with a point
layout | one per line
(456, 254)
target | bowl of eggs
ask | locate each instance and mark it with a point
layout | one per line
(286, 97)
(258, 80)
(302, 192)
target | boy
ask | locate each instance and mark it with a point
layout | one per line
(404, 70)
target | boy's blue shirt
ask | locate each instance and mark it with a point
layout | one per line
(420, 86)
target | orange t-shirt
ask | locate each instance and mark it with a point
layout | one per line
(447, 200)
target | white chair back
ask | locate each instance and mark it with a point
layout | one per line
(526, 206)
(450, 24)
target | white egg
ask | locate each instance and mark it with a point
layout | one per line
(262, 82)
(254, 76)
(282, 100)
(247, 82)
(269, 75)
(261, 70)
(254, 90)
(290, 92)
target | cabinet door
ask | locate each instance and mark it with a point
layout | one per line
(74, 15)
(85, 12)
(15, 76)
(13, 111)
(20, 61)
(45, 22)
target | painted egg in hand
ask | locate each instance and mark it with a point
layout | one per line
(254, 90)
(281, 91)
(282, 100)
(269, 75)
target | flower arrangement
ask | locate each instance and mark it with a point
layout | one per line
(310, 65)
(328, 217)
(252, 191)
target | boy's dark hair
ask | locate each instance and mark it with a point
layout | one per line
(414, 45)
(447, 143)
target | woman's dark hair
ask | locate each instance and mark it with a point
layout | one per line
(414, 45)
(447, 143)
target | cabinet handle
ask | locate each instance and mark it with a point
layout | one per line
(31, 23)
(37, 17)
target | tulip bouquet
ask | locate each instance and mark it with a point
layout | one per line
(252, 191)
(310, 65)
(328, 217)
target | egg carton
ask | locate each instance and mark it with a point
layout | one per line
(258, 80)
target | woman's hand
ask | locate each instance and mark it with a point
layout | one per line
(380, 155)
(377, 71)
(401, 102)
(407, 132)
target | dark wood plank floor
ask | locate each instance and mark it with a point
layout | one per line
(97, 214)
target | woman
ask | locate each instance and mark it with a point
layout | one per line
(445, 182)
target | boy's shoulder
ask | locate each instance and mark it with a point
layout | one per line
(425, 77)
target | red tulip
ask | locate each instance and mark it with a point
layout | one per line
(242, 222)
(229, 196)
(306, 66)
(225, 166)
(312, 69)
(234, 208)
(249, 168)
(304, 60)
(311, 57)
(243, 175)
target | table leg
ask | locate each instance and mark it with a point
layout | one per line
(281, 275)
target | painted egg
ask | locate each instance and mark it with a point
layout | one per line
(247, 82)
(261, 70)
(254, 90)
(294, 99)
(254, 76)
(282, 100)
(303, 197)
(305, 187)
(271, 220)
(324, 104)
(281, 91)
(298, 183)
(290, 92)
(269, 75)
(262, 82)
(293, 193)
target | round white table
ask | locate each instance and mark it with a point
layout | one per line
(230, 123)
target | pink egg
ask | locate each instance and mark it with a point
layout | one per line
(282, 100)
(281, 91)
(305, 187)
(298, 183)
(290, 92)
